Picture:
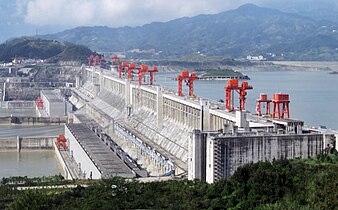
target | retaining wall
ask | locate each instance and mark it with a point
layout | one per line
(33, 120)
(26, 143)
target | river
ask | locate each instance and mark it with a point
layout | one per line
(313, 94)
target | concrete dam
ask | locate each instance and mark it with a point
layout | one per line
(182, 135)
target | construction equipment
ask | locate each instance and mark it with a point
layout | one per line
(61, 142)
(122, 68)
(39, 103)
(90, 59)
(281, 101)
(152, 71)
(96, 59)
(130, 69)
(189, 80)
(263, 99)
(101, 60)
(241, 90)
(115, 60)
(141, 70)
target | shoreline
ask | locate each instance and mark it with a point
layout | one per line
(325, 66)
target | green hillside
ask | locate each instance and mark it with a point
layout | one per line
(26, 47)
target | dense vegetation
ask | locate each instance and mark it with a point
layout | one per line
(211, 72)
(42, 49)
(283, 184)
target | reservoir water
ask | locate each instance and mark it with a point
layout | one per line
(313, 94)
(31, 164)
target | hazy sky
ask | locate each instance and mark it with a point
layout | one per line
(117, 12)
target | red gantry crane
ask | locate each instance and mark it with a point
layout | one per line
(152, 71)
(90, 59)
(115, 60)
(189, 80)
(101, 60)
(96, 59)
(122, 68)
(241, 90)
(263, 99)
(61, 142)
(281, 101)
(141, 70)
(131, 67)
(39, 103)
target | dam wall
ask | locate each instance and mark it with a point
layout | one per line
(160, 115)
(17, 104)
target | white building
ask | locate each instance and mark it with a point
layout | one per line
(53, 103)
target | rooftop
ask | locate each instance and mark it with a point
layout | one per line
(51, 96)
(108, 163)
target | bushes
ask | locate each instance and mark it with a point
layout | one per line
(36, 181)
(282, 184)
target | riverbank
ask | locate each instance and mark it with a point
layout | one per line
(258, 66)
(288, 66)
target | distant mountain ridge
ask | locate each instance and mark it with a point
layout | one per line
(248, 30)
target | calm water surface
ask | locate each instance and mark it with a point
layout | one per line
(31, 164)
(314, 94)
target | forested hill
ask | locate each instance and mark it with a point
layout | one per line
(248, 30)
(26, 47)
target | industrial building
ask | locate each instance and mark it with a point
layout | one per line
(53, 104)
(215, 155)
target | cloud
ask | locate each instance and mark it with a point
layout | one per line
(117, 12)
(21, 6)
